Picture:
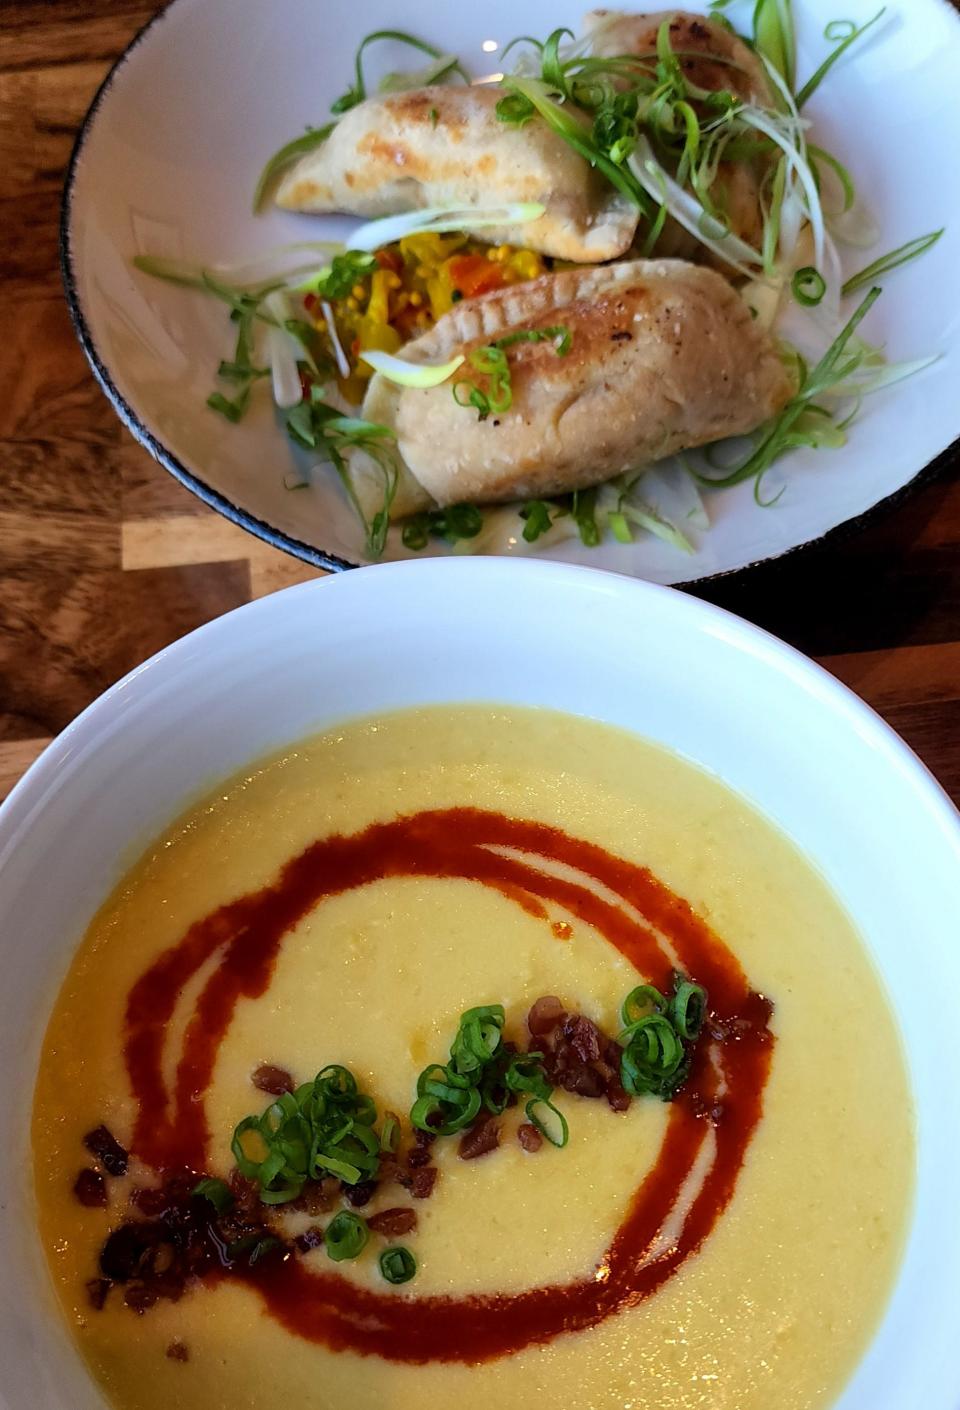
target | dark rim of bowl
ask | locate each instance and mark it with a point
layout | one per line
(320, 558)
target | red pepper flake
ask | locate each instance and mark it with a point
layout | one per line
(273, 1080)
(562, 930)
(90, 1189)
(178, 1351)
(529, 1137)
(391, 1223)
(107, 1150)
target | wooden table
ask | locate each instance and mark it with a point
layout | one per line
(104, 558)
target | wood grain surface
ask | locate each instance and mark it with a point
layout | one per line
(105, 558)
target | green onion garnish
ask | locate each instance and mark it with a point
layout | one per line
(336, 281)
(480, 1075)
(782, 434)
(398, 1264)
(318, 426)
(358, 92)
(459, 521)
(497, 397)
(491, 361)
(808, 286)
(656, 1057)
(313, 137)
(536, 516)
(346, 1236)
(844, 31)
(323, 1128)
(552, 1124)
(217, 1192)
(911, 250)
(389, 1134)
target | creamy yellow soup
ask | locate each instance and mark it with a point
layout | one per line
(776, 1305)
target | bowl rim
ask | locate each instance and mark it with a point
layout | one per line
(739, 632)
(289, 543)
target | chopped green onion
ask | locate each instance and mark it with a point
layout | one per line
(808, 286)
(346, 1236)
(459, 521)
(641, 1002)
(553, 1126)
(656, 1057)
(336, 281)
(410, 374)
(536, 515)
(516, 110)
(911, 250)
(438, 219)
(323, 1128)
(561, 337)
(397, 1264)
(578, 135)
(847, 35)
(688, 1009)
(232, 410)
(774, 37)
(289, 153)
(321, 427)
(358, 92)
(779, 435)
(390, 1134)
(217, 1192)
(583, 508)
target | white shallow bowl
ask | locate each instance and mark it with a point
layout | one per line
(170, 151)
(770, 724)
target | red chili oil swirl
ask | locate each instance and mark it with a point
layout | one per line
(240, 944)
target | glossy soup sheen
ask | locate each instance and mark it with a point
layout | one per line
(776, 1304)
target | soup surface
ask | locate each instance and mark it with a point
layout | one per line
(731, 1249)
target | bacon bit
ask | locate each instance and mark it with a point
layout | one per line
(529, 1137)
(90, 1189)
(545, 1015)
(97, 1289)
(149, 1201)
(360, 1193)
(310, 1238)
(274, 1080)
(481, 1138)
(107, 1150)
(420, 1155)
(178, 1351)
(140, 1298)
(423, 1181)
(391, 1223)
(390, 1169)
(317, 1197)
(577, 1055)
(562, 930)
(753, 1020)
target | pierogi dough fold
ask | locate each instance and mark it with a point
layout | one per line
(711, 58)
(445, 146)
(664, 356)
